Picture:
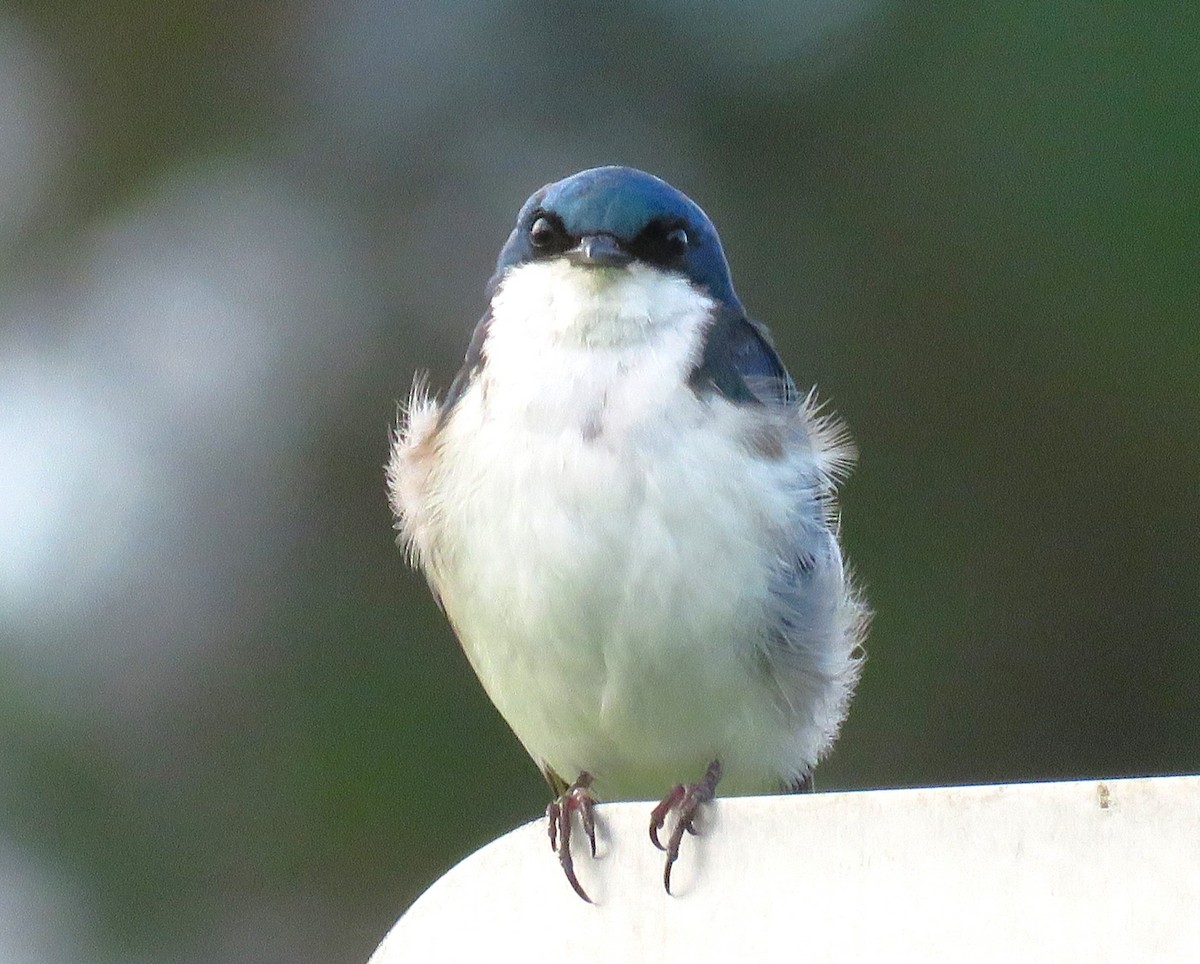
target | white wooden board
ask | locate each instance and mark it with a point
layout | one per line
(1084, 871)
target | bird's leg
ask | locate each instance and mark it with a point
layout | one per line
(685, 799)
(577, 796)
(804, 784)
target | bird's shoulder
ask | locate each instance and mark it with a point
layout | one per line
(738, 361)
(471, 366)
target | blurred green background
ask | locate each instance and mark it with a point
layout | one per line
(234, 727)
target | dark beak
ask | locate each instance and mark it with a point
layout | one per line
(599, 249)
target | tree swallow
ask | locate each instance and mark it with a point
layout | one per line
(628, 514)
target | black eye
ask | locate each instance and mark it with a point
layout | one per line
(662, 244)
(545, 233)
(676, 242)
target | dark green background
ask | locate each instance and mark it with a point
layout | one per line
(973, 225)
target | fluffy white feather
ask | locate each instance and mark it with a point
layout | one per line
(609, 545)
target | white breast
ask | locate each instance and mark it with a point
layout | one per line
(602, 538)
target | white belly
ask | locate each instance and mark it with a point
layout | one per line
(611, 608)
(602, 540)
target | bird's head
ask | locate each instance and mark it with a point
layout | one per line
(612, 218)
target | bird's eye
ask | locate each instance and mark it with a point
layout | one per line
(544, 233)
(663, 244)
(676, 242)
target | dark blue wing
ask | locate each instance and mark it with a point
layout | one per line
(471, 366)
(740, 363)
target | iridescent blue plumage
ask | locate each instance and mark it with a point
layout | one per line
(622, 202)
(739, 361)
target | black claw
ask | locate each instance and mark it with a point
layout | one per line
(568, 866)
(558, 816)
(552, 809)
(589, 826)
(686, 800)
(658, 816)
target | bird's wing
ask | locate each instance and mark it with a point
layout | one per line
(414, 453)
(472, 364)
(809, 647)
(740, 363)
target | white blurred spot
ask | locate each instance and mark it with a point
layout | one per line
(215, 297)
(71, 484)
(39, 916)
(149, 406)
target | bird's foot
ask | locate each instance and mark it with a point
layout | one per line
(685, 799)
(577, 797)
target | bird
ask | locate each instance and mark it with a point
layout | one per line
(627, 512)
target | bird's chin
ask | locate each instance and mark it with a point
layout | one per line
(594, 304)
(598, 276)
(613, 259)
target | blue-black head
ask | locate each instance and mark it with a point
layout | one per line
(612, 216)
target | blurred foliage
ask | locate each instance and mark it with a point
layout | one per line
(972, 225)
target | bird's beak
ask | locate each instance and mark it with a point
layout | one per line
(599, 250)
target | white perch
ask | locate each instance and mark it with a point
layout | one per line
(1097, 870)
